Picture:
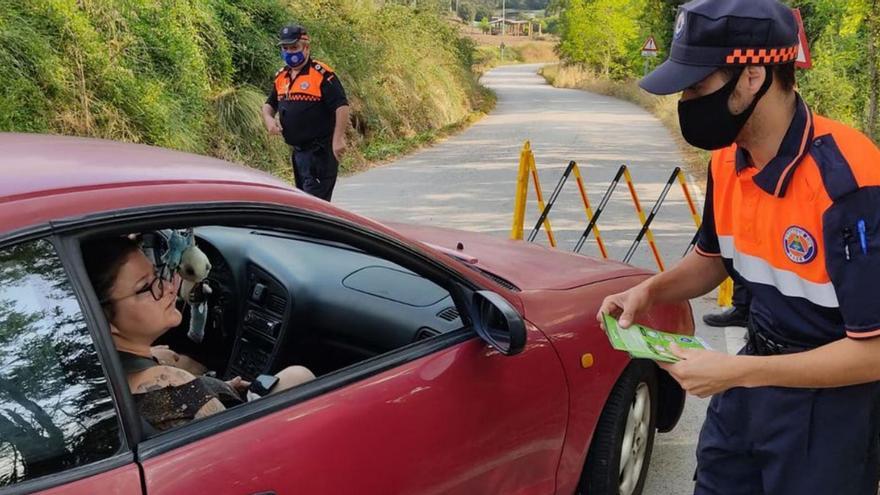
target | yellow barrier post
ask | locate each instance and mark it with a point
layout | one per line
(522, 191)
(534, 170)
(725, 290)
(638, 205)
(725, 293)
(690, 201)
(589, 210)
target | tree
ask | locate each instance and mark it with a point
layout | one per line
(483, 12)
(602, 34)
(467, 11)
(484, 25)
(844, 37)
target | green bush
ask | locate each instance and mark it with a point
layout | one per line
(193, 74)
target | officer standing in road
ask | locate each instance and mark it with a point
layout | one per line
(793, 211)
(735, 316)
(313, 112)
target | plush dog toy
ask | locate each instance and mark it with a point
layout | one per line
(183, 256)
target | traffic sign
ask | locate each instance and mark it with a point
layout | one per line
(649, 49)
(804, 60)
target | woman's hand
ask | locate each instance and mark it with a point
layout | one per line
(239, 384)
(170, 358)
(165, 355)
(704, 373)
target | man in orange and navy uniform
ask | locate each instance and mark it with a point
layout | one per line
(310, 104)
(792, 212)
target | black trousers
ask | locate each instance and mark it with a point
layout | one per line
(742, 298)
(787, 441)
(315, 168)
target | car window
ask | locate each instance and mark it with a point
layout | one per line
(257, 301)
(321, 304)
(56, 411)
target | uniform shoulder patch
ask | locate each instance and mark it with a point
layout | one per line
(322, 67)
(799, 245)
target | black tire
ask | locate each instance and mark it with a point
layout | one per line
(601, 475)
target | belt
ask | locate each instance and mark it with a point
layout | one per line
(311, 145)
(761, 344)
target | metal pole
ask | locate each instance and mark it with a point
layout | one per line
(647, 223)
(551, 202)
(503, 17)
(539, 193)
(638, 205)
(692, 244)
(599, 209)
(589, 210)
(690, 201)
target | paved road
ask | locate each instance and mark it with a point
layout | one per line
(468, 181)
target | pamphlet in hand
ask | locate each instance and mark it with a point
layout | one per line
(646, 343)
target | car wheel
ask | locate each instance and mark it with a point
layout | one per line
(617, 461)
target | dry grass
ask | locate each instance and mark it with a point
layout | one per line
(665, 108)
(193, 75)
(526, 52)
(537, 51)
(495, 40)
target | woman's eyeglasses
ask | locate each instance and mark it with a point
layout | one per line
(156, 288)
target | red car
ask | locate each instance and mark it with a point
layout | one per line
(446, 361)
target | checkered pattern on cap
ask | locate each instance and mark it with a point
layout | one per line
(762, 56)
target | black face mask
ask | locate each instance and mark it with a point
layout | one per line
(706, 122)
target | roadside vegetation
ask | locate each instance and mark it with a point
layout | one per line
(192, 74)
(600, 42)
(488, 52)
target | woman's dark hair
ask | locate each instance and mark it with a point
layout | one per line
(103, 259)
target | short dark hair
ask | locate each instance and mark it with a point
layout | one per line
(103, 258)
(783, 74)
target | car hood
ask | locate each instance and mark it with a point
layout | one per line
(526, 265)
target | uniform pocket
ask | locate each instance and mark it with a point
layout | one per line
(851, 229)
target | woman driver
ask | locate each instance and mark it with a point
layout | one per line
(140, 307)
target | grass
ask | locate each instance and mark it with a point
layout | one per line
(382, 149)
(517, 50)
(193, 74)
(665, 108)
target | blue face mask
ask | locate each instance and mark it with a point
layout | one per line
(293, 59)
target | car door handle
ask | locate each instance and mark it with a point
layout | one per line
(264, 493)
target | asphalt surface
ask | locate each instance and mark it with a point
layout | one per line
(468, 182)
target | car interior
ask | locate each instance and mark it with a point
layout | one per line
(285, 298)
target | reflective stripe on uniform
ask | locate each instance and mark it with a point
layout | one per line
(759, 271)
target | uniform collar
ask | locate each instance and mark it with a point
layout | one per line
(304, 71)
(775, 177)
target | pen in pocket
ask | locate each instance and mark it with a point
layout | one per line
(863, 240)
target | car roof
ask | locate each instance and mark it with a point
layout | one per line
(34, 164)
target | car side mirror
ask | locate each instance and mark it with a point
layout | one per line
(498, 323)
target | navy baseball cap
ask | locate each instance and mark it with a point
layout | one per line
(292, 33)
(710, 34)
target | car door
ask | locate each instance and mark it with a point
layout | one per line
(446, 414)
(59, 430)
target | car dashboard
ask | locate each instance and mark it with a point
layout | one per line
(285, 298)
